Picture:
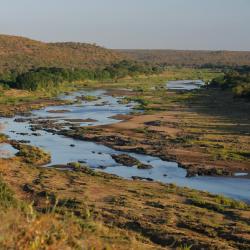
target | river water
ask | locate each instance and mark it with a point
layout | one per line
(185, 84)
(98, 156)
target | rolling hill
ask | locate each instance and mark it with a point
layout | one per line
(20, 54)
(190, 57)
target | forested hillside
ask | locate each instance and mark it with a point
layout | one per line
(191, 58)
(20, 54)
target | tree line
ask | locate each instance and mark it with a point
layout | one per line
(46, 78)
(237, 81)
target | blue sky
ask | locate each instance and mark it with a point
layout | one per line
(156, 24)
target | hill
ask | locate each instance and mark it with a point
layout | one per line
(190, 57)
(21, 54)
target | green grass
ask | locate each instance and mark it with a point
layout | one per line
(17, 100)
(33, 155)
(7, 199)
(184, 247)
(219, 203)
(227, 202)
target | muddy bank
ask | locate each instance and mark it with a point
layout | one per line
(134, 144)
(24, 108)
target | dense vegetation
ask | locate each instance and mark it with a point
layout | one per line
(208, 59)
(20, 54)
(47, 78)
(237, 81)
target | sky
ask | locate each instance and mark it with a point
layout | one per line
(132, 24)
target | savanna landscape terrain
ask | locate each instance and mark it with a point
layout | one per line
(48, 203)
(189, 58)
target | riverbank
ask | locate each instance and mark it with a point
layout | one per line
(13, 101)
(81, 206)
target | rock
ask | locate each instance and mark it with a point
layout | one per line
(58, 111)
(141, 178)
(52, 131)
(153, 123)
(191, 173)
(83, 162)
(81, 120)
(22, 133)
(27, 188)
(102, 167)
(130, 161)
(36, 134)
(20, 120)
(24, 141)
(114, 140)
(125, 159)
(144, 166)
(138, 150)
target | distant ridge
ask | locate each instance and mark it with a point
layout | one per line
(190, 57)
(21, 54)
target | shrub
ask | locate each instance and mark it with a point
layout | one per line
(7, 199)
(238, 82)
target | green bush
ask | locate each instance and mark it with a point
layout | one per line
(238, 82)
(7, 199)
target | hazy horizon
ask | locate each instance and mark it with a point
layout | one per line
(140, 24)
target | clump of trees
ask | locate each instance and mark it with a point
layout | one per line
(237, 81)
(47, 78)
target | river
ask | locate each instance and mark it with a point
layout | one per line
(99, 112)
